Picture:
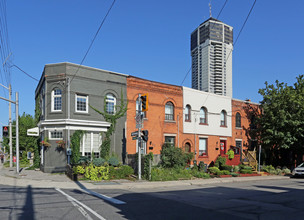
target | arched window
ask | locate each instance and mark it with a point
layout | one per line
(137, 105)
(203, 115)
(238, 121)
(56, 100)
(223, 118)
(188, 113)
(169, 111)
(110, 103)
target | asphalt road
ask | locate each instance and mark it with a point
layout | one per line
(281, 199)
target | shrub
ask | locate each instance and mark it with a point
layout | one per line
(166, 174)
(234, 174)
(227, 167)
(286, 171)
(98, 162)
(121, 172)
(245, 171)
(230, 154)
(244, 167)
(268, 169)
(199, 174)
(213, 170)
(222, 172)
(147, 159)
(78, 169)
(83, 160)
(220, 161)
(278, 171)
(174, 157)
(113, 161)
(96, 173)
(202, 166)
(236, 169)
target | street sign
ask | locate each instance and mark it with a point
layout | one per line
(135, 133)
(134, 138)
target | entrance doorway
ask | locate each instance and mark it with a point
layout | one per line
(222, 147)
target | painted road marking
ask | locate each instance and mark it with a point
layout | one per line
(70, 198)
(104, 197)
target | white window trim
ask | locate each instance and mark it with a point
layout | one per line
(53, 101)
(87, 103)
(111, 101)
(50, 135)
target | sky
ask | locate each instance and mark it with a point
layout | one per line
(150, 39)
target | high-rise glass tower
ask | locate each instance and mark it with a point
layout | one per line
(211, 51)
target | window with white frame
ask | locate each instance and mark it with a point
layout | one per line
(110, 103)
(56, 135)
(203, 115)
(90, 143)
(203, 147)
(56, 100)
(82, 102)
(188, 113)
(223, 118)
(169, 111)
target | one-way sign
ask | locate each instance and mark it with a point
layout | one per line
(135, 133)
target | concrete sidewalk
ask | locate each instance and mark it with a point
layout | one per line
(8, 176)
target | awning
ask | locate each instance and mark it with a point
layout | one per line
(33, 132)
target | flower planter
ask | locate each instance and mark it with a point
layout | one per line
(224, 176)
(249, 174)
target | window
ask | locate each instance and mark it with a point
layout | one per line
(90, 143)
(238, 120)
(170, 140)
(56, 135)
(82, 103)
(169, 111)
(238, 147)
(56, 100)
(203, 147)
(223, 118)
(137, 105)
(110, 104)
(203, 115)
(188, 113)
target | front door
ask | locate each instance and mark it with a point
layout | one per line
(222, 147)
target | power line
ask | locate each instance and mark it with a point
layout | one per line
(24, 72)
(244, 23)
(93, 40)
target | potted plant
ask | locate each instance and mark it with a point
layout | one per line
(230, 154)
(45, 142)
(60, 143)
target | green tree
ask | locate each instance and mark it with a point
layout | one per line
(112, 118)
(26, 143)
(281, 124)
(174, 157)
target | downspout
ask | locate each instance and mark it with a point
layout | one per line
(178, 130)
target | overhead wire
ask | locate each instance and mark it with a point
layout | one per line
(91, 44)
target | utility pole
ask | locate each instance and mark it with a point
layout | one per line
(10, 121)
(17, 126)
(139, 140)
(10, 125)
(17, 132)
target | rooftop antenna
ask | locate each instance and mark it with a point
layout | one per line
(210, 9)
